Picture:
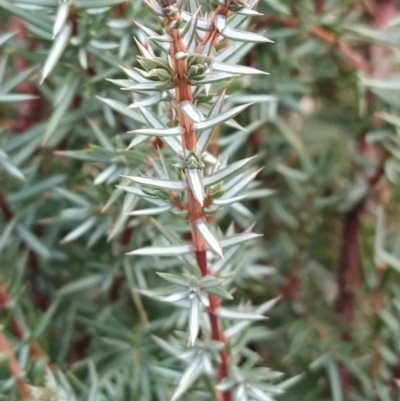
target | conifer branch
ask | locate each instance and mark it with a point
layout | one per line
(183, 93)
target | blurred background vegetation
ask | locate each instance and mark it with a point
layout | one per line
(326, 127)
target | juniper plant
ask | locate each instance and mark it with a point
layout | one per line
(195, 196)
(68, 292)
(183, 68)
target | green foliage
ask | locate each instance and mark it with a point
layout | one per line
(101, 297)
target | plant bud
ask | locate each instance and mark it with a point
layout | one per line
(217, 194)
(180, 174)
(193, 161)
(151, 63)
(194, 59)
(198, 77)
(217, 191)
(203, 68)
(199, 59)
(159, 74)
(208, 60)
(193, 71)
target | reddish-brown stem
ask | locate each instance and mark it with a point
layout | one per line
(216, 331)
(213, 34)
(183, 92)
(349, 274)
(319, 6)
(350, 268)
(5, 208)
(14, 368)
(122, 10)
(28, 110)
(350, 261)
(357, 61)
(35, 351)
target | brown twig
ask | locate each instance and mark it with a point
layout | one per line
(212, 37)
(35, 349)
(319, 6)
(350, 254)
(355, 59)
(8, 214)
(213, 34)
(349, 273)
(349, 276)
(14, 368)
(29, 110)
(195, 210)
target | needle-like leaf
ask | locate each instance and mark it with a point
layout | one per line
(220, 175)
(57, 49)
(191, 374)
(209, 237)
(196, 184)
(213, 122)
(61, 17)
(158, 131)
(158, 183)
(170, 250)
(242, 36)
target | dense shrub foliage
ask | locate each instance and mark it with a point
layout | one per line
(143, 148)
